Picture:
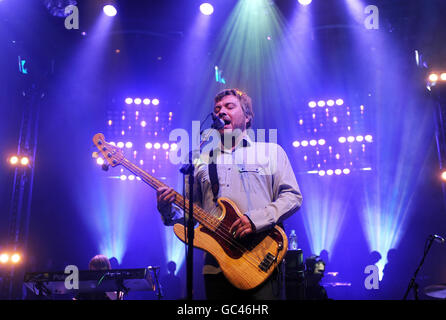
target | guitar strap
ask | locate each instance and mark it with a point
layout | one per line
(213, 176)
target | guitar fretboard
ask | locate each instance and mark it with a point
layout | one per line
(203, 217)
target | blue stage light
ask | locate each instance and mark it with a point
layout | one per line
(305, 2)
(206, 9)
(110, 10)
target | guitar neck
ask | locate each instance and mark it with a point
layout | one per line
(199, 214)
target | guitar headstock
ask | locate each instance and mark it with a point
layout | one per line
(113, 155)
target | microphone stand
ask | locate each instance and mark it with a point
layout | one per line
(412, 284)
(189, 169)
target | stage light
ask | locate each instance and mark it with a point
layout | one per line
(24, 161)
(14, 160)
(342, 139)
(131, 177)
(305, 2)
(313, 142)
(15, 258)
(321, 173)
(304, 143)
(296, 144)
(368, 138)
(359, 138)
(128, 100)
(157, 145)
(100, 161)
(128, 145)
(329, 172)
(146, 101)
(207, 9)
(155, 102)
(346, 171)
(148, 145)
(330, 103)
(443, 76)
(338, 172)
(312, 104)
(321, 142)
(165, 146)
(321, 103)
(433, 77)
(351, 139)
(339, 102)
(443, 175)
(173, 146)
(110, 10)
(137, 101)
(4, 258)
(123, 177)
(120, 144)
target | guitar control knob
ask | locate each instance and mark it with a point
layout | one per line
(105, 167)
(99, 142)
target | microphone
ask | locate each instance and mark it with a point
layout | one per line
(218, 123)
(437, 238)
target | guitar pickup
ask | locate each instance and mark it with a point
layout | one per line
(267, 262)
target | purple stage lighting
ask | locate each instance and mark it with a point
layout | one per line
(129, 100)
(155, 102)
(110, 10)
(339, 102)
(312, 104)
(146, 101)
(207, 9)
(137, 101)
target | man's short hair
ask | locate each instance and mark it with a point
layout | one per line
(99, 262)
(245, 102)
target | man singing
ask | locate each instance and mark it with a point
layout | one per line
(264, 188)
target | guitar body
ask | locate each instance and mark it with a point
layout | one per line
(245, 262)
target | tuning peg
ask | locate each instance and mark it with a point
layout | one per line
(105, 167)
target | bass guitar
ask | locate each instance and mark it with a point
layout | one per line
(245, 262)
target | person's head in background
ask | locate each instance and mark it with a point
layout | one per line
(99, 262)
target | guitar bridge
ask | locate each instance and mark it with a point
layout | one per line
(267, 262)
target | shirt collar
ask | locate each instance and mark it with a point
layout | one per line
(245, 142)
